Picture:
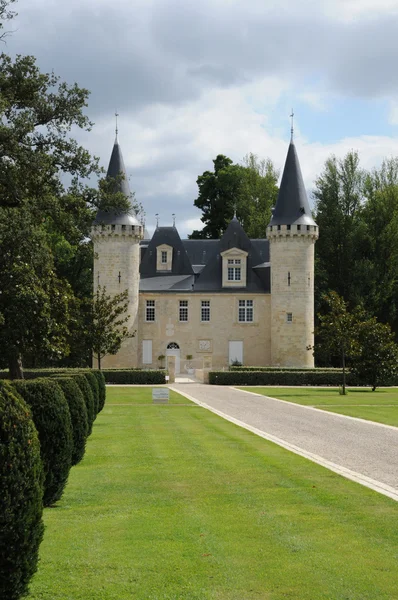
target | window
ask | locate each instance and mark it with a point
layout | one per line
(146, 352)
(245, 312)
(298, 227)
(289, 317)
(205, 310)
(288, 279)
(164, 257)
(234, 273)
(184, 310)
(150, 310)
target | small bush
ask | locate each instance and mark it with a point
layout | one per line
(300, 378)
(93, 382)
(287, 369)
(21, 485)
(133, 376)
(78, 414)
(51, 416)
(88, 396)
(102, 389)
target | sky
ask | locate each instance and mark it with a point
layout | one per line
(191, 80)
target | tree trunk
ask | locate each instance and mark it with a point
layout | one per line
(15, 367)
(343, 361)
(99, 361)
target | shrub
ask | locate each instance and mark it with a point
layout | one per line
(21, 485)
(78, 414)
(51, 416)
(286, 369)
(102, 389)
(133, 376)
(93, 382)
(88, 396)
(323, 378)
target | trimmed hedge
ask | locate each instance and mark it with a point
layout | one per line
(102, 389)
(286, 369)
(321, 378)
(134, 376)
(21, 485)
(51, 416)
(78, 414)
(93, 382)
(88, 396)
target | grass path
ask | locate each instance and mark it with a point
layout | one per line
(380, 406)
(174, 503)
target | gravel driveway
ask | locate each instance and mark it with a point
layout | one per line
(367, 449)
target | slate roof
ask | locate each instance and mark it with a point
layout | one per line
(197, 264)
(116, 167)
(292, 207)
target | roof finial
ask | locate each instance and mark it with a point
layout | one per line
(116, 130)
(292, 128)
(174, 219)
(157, 220)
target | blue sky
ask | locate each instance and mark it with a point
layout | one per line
(195, 79)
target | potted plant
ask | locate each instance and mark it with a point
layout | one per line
(161, 358)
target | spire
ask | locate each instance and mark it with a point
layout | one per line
(116, 129)
(292, 205)
(292, 127)
(116, 168)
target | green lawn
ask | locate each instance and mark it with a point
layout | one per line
(174, 503)
(380, 405)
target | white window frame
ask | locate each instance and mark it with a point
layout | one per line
(183, 311)
(289, 318)
(245, 311)
(205, 311)
(150, 311)
(164, 257)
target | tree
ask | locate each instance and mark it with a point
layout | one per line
(108, 328)
(37, 156)
(377, 358)
(5, 15)
(337, 330)
(338, 199)
(247, 189)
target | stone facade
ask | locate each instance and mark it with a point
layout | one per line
(214, 301)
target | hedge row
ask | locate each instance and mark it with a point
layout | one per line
(127, 376)
(44, 424)
(134, 376)
(286, 369)
(321, 378)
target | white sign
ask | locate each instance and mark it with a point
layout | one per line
(160, 395)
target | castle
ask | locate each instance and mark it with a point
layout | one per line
(219, 301)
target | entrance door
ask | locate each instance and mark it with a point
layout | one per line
(236, 352)
(173, 349)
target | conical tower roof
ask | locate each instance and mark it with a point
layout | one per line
(292, 206)
(116, 168)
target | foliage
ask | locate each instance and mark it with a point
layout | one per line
(338, 329)
(249, 189)
(304, 377)
(94, 385)
(21, 485)
(51, 416)
(78, 415)
(108, 329)
(88, 396)
(377, 359)
(134, 376)
(101, 389)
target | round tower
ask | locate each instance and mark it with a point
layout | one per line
(116, 237)
(292, 233)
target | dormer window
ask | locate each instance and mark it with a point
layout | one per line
(164, 258)
(234, 272)
(234, 267)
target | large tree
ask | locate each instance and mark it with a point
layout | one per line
(247, 189)
(42, 195)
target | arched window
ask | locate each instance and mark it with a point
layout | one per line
(173, 346)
